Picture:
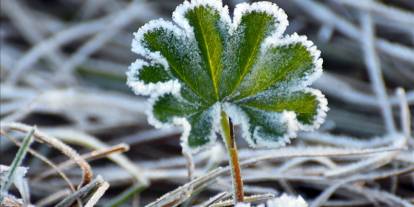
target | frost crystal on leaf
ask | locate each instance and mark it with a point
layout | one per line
(204, 62)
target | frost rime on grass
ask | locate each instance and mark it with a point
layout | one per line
(282, 201)
(205, 62)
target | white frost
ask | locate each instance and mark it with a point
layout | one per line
(141, 88)
(139, 47)
(320, 112)
(239, 117)
(182, 122)
(182, 9)
(310, 47)
(272, 9)
(212, 137)
(150, 114)
(286, 117)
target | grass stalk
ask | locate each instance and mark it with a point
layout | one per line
(17, 161)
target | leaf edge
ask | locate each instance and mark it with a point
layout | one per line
(184, 125)
(141, 88)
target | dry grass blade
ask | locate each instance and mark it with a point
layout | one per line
(98, 194)
(86, 168)
(97, 154)
(374, 70)
(54, 198)
(323, 197)
(391, 13)
(83, 192)
(45, 160)
(405, 113)
(179, 195)
(215, 199)
(80, 138)
(291, 152)
(248, 199)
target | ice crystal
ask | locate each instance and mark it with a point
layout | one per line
(204, 62)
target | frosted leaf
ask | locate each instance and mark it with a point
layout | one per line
(205, 62)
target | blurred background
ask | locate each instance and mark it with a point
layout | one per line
(63, 65)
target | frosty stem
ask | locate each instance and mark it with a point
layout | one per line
(228, 137)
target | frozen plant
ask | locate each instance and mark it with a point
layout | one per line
(205, 72)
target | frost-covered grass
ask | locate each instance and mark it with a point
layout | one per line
(63, 69)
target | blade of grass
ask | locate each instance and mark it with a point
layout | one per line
(43, 159)
(82, 192)
(126, 195)
(97, 194)
(87, 173)
(18, 159)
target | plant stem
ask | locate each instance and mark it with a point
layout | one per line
(230, 142)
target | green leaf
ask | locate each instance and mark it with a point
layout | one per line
(304, 103)
(205, 62)
(153, 73)
(267, 129)
(198, 124)
(244, 46)
(167, 107)
(183, 57)
(209, 34)
(279, 64)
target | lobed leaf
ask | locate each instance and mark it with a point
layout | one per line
(205, 62)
